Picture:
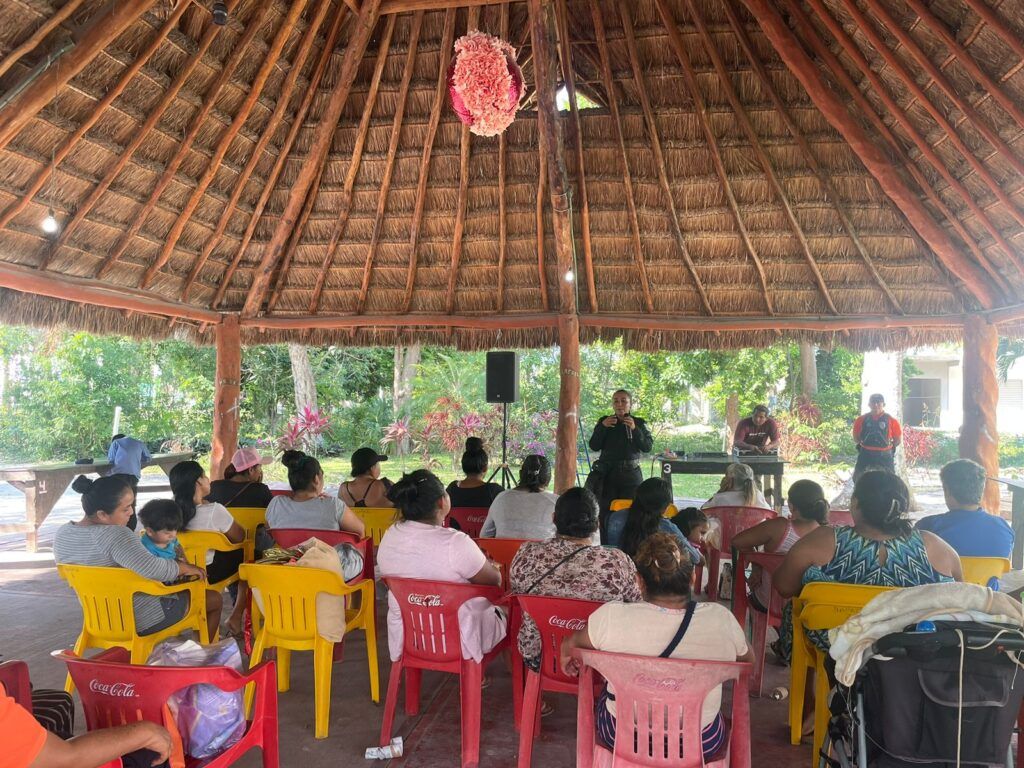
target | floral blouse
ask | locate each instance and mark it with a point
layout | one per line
(596, 573)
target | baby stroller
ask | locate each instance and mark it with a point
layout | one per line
(941, 694)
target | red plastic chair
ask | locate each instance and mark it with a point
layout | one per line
(658, 691)
(279, 492)
(14, 680)
(430, 620)
(732, 520)
(761, 620)
(292, 537)
(556, 618)
(837, 517)
(470, 520)
(114, 692)
(503, 552)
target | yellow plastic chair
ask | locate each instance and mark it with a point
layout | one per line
(981, 570)
(619, 504)
(288, 594)
(197, 544)
(376, 519)
(250, 518)
(820, 605)
(108, 620)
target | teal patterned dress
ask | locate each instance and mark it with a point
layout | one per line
(856, 562)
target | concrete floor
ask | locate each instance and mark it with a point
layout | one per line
(38, 614)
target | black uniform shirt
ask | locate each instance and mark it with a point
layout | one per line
(616, 443)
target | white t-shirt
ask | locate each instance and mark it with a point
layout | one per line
(323, 513)
(735, 499)
(414, 550)
(211, 517)
(644, 629)
(520, 514)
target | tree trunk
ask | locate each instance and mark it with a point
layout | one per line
(808, 370)
(979, 437)
(302, 377)
(226, 395)
(732, 418)
(407, 359)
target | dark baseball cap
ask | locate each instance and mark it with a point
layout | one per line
(363, 460)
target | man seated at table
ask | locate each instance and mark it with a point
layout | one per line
(966, 527)
(758, 433)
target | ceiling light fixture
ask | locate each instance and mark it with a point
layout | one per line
(569, 276)
(50, 225)
(220, 13)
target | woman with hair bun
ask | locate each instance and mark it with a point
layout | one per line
(474, 491)
(524, 512)
(668, 623)
(419, 547)
(102, 538)
(307, 506)
(881, 549)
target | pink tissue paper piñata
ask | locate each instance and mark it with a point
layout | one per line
(485, 83)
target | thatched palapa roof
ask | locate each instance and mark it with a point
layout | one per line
(861, 183)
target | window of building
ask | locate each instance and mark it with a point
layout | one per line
(922, 404)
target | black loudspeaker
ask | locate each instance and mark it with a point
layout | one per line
(502, 377)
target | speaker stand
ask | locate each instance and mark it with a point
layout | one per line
(507, 480)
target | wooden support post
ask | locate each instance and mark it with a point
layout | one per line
(226, 394)
(979, 438)
(549, 128)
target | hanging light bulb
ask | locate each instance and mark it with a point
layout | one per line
(220, 13)
(50, 225)
(569, 276)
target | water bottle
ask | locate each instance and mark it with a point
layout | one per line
(779, 694)
(925, 626)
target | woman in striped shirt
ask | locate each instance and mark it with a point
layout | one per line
(102, 538)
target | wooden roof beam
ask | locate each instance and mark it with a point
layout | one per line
(296, 237)
(103, 30)
(270, 60)
(404, 6)
(323, 135)
(39, 35)
(282, 102)
(627, 176)
(98, 110)
(847, 44)
(389, 163)
(183, 147)
(542, 182)
(503, 31)
(440, 100)
(700, 109)
(834, 110)
(659, 156)
(823, 178)
(568, 74)
(354, 163)
(988, 15)
(137, 137)
(315, 81)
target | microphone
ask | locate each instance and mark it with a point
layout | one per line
(629, 432)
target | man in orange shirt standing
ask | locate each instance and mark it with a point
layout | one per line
(877, 435)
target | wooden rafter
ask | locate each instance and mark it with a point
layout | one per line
(39, 35)
(315, 80)
(323, 135)
(465, 148)
(404, 6)
(183, 148)
(568, 75)
(542, 181)
(103, 29)
(827, 187)
(98, 110)
(440, 99)
(627, 176)
(503, 30)
(748, 128)
(270, 61)
(659, 156)
(922, 144)
(126, 154)
(835, 111)
(284, 268)
(354, 163)
(700, 109)
(282, 102)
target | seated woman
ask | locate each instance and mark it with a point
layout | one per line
(882, 549)
(652, 628)
(738, 489)
(694, 525)
(524, 512)
(190, 485)
(628, 528)
(102, 538)
(243, 484)
(473, 491)
(569, 565)
(419, 547)
(808, 509)
(366, 488)
(306, 506)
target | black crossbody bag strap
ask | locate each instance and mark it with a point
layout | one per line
(554, 568)
(685, 625)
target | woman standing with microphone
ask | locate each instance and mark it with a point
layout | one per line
(622, 439)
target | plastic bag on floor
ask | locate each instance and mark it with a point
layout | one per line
(210, 719)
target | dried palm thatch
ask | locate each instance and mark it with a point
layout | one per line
(300, 166)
